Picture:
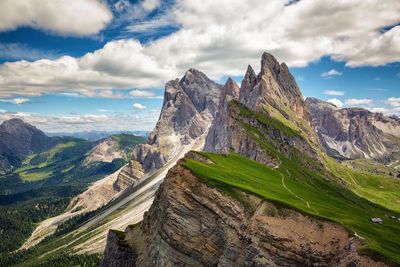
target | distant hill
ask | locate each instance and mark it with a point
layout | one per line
(17, 140)
(98, 135)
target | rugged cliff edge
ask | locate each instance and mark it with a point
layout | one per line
(192, 224)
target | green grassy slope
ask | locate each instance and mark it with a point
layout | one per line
(311, 193)
(41, 165)
(128, 141)
(325, 189)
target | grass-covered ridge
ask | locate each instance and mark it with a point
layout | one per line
(320, 187)
(380, 189)
(307, 192)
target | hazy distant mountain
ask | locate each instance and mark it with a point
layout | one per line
(355, 133)
(97, 135)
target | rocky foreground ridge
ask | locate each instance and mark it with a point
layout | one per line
(193, 224)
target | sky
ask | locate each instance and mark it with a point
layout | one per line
(81, 65)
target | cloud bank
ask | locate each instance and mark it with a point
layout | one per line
(65, 17)
(213, 37)
(86, 122)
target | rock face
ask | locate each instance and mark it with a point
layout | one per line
(217, 138)
(191, 224)
(106, 151)
(123, 256)
(190, 105)
(274, 85)
(17, 140)
(354, 132)
(274, 94)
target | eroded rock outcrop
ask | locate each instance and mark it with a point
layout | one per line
(354, 132)
(217, 138)
(192, 224)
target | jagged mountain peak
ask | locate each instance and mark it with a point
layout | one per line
(14, 121)
(272, 94)
(190, 104)
(248, 83)
(195, 76)
(217, 138)
(268, 61)
(274, 86)
(21, 130)
(18, 139)
(230, 88)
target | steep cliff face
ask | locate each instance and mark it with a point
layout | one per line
(190, 105)
(192, 224)
(354, 132)
(217, 138)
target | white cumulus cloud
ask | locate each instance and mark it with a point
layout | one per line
(17, 101)
(142, 94)
(85, 122)
(331, 73)
(336, 102)
(213, 37)
(393, 101)
(65, 17)
(138, 106)
(334, 92)
(356, 101)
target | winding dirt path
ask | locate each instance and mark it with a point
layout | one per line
(302, 199)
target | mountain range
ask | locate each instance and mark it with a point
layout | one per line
(249, 175)
(44, 177)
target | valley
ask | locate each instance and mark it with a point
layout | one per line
(44, 183)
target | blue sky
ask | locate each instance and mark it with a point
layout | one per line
(106, 69)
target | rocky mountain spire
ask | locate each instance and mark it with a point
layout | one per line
(275, 94)
(274, 86)
(190, 105)
(248, 83)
